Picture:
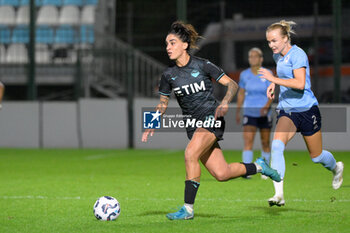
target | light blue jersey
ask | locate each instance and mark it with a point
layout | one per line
(294, 100)
(255, 92)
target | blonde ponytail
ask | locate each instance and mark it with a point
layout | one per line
(286, 27)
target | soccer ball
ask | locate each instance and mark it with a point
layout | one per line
(106, 208)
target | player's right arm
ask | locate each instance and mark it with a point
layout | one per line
(240, 99)
(161, 107)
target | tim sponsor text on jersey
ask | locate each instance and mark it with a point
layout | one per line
(190, 88)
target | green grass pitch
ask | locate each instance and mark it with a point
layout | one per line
(54, 191)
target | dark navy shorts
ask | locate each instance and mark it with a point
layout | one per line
(259, 122)
(219, 131)
(307, 123)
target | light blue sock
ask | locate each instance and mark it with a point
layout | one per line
(277, 157)
(266, 156)
(326, 159)
(247, 156)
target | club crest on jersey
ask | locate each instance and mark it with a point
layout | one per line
(195, 73)
(189, 89)
(286, 59)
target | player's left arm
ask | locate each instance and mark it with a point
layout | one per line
(163, 104)
(232, 88)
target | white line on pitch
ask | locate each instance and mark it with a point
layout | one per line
(169, 199)
(237, 200)
(39, 197)
(99, 156)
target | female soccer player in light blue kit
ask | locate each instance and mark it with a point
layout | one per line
(298, 107)
(256, 108)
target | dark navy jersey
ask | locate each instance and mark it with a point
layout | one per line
(192, 86)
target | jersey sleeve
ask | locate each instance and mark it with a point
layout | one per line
(241, 82)
(164, 86)
(213, 71)
(299, 60)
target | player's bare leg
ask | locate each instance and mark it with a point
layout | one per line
(217, 166)
(200, 143)
(202, 140)
(265, 139)
(249, 132)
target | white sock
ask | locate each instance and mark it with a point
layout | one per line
(189, 207)
(278, 188)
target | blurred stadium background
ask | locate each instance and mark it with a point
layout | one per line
(78, 72)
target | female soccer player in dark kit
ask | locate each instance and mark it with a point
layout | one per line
(190, 78)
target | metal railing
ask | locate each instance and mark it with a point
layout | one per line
(115, 63)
